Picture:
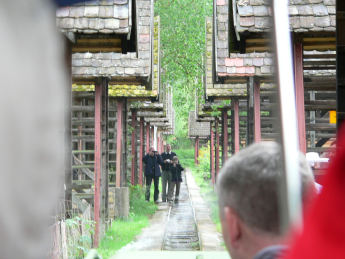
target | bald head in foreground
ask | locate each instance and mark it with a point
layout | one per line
(249, 203)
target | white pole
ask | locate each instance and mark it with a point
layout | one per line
(291, 200)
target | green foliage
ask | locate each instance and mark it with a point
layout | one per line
(123, 231)
(184, 153)
(82, 243)
(183, 48)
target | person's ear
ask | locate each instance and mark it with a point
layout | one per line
(234, 226)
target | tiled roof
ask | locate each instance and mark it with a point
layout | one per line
(197, 129)
(251, 64)
(170, 112)
(103, 16)
(234, 65)
(111, 64)
(305, 15)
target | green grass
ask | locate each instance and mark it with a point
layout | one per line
(123, 231)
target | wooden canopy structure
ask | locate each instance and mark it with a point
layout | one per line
(239, 68)
(199, 132)
(115, 62)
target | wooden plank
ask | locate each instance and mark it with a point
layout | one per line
(319, 56)
(99, 40)
(82, 166)
(78, 187)
(319, 39)
(319, 63)
(324, 135)
(83, 108)
(83, 152)
(319, 46)
(90, 182)
(320, 126)
(258, 40)
(95, 49)
(320, 149)
(258, 48)
(319, 86)
(319, 68)
(309, 107)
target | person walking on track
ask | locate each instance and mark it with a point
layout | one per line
(166, 175)
(152, 171)
(176, 179)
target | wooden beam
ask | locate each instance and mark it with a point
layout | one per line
(237, 125)
(212, 154)
(257, 119)
(98, 40)
(118, 146)
(299, 90)
(98, 161)
(134, 146)
(319, 46)
(319, 39)
(95, 49)
(141, 151)
(217, 146)
(225, 135)
(147, 136)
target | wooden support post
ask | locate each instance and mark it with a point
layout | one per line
(217, 145)
(250, 111)
(105, 153)
(141, 150)
(158, 142)
(119, 142)
(134, 146)
(340, 42)
(236, 126)
(212, 154)
(312, 121)
(98, 161)
(225, 135)
(257, 118)
(196, 150)
(67, 174)
(147, 136)
(152, 136)
(299, 88)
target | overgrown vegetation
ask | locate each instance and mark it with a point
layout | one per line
(123, 231)
(202, 178)
(183, 47)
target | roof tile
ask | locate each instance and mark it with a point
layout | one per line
(91, 11)
(121, 11)
(305, 10)
(246, 10)
(322, 21)
(263, 22)
(261, 10)
(76, 11)
(320, 10)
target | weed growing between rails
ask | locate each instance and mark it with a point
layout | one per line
(124, 231)
(202, 178)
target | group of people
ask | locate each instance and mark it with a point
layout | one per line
(171, 174)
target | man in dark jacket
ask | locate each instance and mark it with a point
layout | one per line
(166, 175)
(152, 171)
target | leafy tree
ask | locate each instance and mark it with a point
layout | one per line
(183, 46)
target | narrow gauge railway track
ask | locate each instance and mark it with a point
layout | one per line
(181, 233)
